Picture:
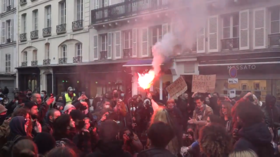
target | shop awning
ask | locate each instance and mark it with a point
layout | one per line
(141, 63)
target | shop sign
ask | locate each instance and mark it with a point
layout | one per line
(232, 80)
(203, 83)
(243, 67)
(177, 88)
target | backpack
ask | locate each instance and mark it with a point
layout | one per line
(6, 150)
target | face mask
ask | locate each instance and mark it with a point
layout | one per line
(116, 95)
(16, 101)
(122, 95)
(107, 106)
(29, 94)
(34, 116)
(42, 95)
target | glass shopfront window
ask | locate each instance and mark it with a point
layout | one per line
(258, 87)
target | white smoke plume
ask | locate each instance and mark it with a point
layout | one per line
(186, 24)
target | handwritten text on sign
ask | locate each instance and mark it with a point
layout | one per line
(203, 83)
(177, 88)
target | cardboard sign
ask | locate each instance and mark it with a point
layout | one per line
(203, 83)
(177, 88)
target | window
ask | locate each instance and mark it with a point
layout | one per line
(275, 21)
(34, 55)
(80, 9)
(9, 29)
(8, 63)
(62, 6)
(231, 26)
(47, 51)
(3, 32)
(24, 56)
(4, 6)
(156, 34)
(64, 51)
(48, 16)
(127, 39)
(23, 20)
(35, 20)
(78, 49)
(104, 42)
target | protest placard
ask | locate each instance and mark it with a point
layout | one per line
(203, 83)
(177, 88)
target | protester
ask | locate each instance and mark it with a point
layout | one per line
(52, 115)
(25, 148)
(3, 114)
(36, 125)
(160, 134)
(45, 142)
(254, 134)
(226, 116)
(219, 147)
(61, 152)
(69, 97)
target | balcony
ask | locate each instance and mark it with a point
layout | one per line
(34, 35)
(47, 32)
(230, 44)
(274, 39)
(125, 9)
(61, 29)
(22, 37)
(127, 53)
(9, 8)
(62, 61)
(77, 25)
(34, 63)
(78, 59)
(103, 55)
(23, 2)
(8, 40)
(46, 61)
(24, 64)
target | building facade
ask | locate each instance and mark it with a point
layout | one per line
(240, 34)
(53, 42)
(8, 45)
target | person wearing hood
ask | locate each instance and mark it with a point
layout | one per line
(254, 134)
(17, 127)
(272, 113)
(108, 144)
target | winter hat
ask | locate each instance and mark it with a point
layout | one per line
(67, 107)
(45, 142)
(77, 115)
(2, 109)
(29, 105)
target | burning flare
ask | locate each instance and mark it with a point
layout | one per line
(146, 80)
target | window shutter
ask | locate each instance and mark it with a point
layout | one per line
(134, 42)
(213, 34)
(95, 47)
(110, 45)
(259, 38)
(165, 29)
(12, 30)
(118, 41)
(3, 32)
(244, 30)
(145, 45)
(200, 46)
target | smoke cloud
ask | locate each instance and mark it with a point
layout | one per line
(187, 22)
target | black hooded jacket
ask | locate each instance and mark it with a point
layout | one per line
(256, 137)
(272, 112)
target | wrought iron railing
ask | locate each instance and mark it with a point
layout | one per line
(47, 32)
(127, 53)
(274, 39)
(23, 2)
(229, 44)
(77, 25)
(127, 8)
(9, 8)
(62, 61)
(23, 37)
(34, 35)
(77, 59)
(46, 61)
(61, 29)
(24, 64)
(34, 63)
(103, 55)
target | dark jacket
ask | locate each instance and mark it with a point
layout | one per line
(43, 109)
(47, 127)
(110, 149)
(257, 138)
(271, 112)
(83, 141)
(155, 152)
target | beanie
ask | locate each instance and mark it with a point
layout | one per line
(67, 107)
(2, 109)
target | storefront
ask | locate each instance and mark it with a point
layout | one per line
(260, 78)
(29, 78)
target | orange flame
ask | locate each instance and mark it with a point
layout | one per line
(146, 80)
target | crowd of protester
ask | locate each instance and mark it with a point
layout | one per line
(115, 125)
